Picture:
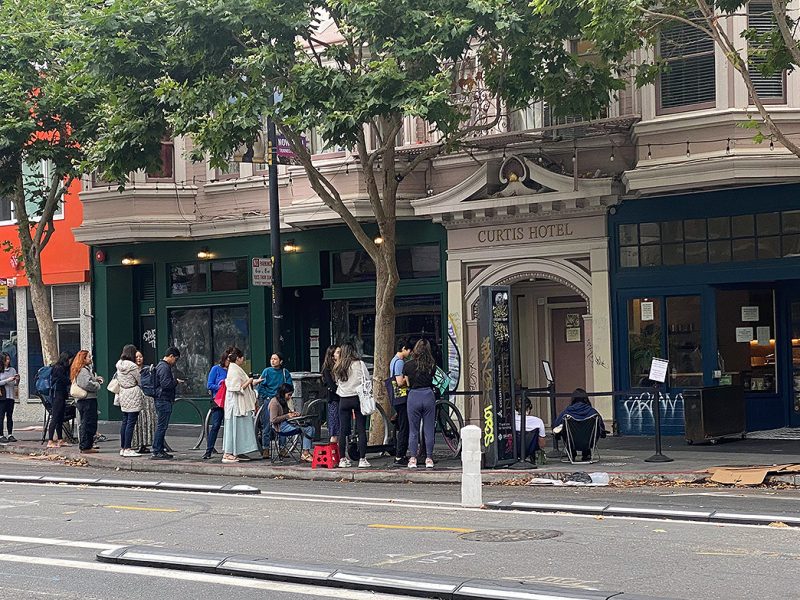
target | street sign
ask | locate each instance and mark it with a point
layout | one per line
(262, 271)
(3, 297)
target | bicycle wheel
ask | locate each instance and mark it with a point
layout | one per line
(450, 422)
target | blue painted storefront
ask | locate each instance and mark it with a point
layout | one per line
(708, 286)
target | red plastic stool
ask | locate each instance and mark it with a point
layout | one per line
(325, 455)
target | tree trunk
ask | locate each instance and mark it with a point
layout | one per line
(385, 289)
(31, 257)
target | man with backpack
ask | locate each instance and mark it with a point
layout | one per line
(165, 385)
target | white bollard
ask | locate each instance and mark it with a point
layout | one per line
(471, 482)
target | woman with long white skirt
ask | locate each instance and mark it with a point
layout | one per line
(239, 434)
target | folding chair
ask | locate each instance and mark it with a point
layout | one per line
(581, 435)
(69, 421)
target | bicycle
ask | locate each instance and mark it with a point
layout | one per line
(389, 443)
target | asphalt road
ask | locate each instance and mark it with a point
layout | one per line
(410, 528)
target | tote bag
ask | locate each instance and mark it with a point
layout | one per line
(366, 399)
(219, 397)
(77, 392)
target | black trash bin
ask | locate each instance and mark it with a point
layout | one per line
(713, 413)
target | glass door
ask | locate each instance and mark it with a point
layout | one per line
(794, 410)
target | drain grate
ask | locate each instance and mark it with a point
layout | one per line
(510, 535)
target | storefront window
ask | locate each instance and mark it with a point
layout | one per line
(229, 275)
(746, 339)
(712, 240)
(188, 278)
(415, 317)
(415, 262)
(683, 341)
(644, 337)
(202, 334)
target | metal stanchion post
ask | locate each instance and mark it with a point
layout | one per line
(551, 391)
(658, 456)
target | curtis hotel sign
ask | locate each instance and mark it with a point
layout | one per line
(562, 230)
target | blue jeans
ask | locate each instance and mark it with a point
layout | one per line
(163, 412)
(126, 428)
(217, 416)
(285, 429)
(266, 426)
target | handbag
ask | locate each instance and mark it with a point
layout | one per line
(366, 399)
(219, 397)
(77, 391)
(113, 386)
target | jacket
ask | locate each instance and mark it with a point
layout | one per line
(166, 382)
(330, 385)
(273, 378)
(349, 388)
(580, 410)
(215, 378)
(130, 395)
(86, 380)
(59, 381)
(7, 379)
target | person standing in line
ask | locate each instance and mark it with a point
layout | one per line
(9, 382)
(166, 384)
(271, 379)
(331, 356)
(216, 376)
(348, 372)
(418, 374)
(239, 435)
(81, 374)
(146, 423)
(129, 399)
(399, 401)
(59, 389)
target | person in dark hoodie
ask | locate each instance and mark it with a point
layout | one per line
(580, 408)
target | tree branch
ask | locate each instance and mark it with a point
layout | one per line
(44, 229)
(779, 6)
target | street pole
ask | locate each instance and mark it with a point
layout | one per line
(274, 237)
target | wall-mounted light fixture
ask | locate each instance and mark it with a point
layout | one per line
(290, 247)
(204, 253)
(128, 260)
(378, 240)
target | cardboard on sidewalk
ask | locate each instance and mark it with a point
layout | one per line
(749, 475)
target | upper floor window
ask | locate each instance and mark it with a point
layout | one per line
(226, 275)
(319, 145)
(5, 208)
(688, 80)
(36, 181)
(771, 89)
(167, 171)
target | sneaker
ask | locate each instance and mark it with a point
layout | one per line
(428, 463)
(3, 439)
(345, 463)
(162, 456)
(364, 464)
(90, 451)
(412, 462)
(143, 450)
(243, 457)
(11, 439)
(207, 455)
(129, 453)
(400, 462)
(122, 452)
(100, 438)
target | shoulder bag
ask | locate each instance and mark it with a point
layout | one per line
(113, 386)
(77, 391)
(366, 399)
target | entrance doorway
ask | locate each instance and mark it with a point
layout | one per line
(549, 322)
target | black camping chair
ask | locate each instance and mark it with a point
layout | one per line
(581, 435)
(69, 419)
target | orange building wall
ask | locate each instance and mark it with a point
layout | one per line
(63, 260)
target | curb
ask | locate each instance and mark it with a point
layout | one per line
(611, 510)
(419, 585)
(394, 475)
(152, 485)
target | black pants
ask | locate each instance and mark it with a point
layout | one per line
(88, 411)
(7, 414)
(58, 406)
(346, 406)
(401, 430)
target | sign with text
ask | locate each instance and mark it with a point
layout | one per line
(262, 271)
(3, 297)
(658, 370)
(544, 230)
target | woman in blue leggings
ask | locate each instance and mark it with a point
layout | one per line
(421, 403)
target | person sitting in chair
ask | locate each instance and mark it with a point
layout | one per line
(534, 429)
(580, 408)
(279, 415)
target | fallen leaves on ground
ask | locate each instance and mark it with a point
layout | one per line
(67, 460)
(779, 524)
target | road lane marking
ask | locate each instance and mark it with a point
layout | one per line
(421, 528)
(55, 542)
(194, 577)
(144, 508)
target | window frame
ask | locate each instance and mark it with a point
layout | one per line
(660, 108)
(772, 100)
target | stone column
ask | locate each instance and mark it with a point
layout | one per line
(602, 374)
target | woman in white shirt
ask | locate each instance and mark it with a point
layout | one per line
(348, 372)
(239, 434)
(9, 380)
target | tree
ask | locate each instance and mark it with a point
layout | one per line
(45, 108)
(759, 50)
(209, 70)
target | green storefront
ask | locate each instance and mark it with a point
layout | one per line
(198, 295)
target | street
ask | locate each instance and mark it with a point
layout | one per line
(416, 528)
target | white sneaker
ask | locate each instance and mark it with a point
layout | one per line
(412, 462)
(364, 464)
(122, 452)
(428, 463)
(345, 463)
(130, 453)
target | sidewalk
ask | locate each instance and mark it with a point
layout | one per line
(621, 457)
